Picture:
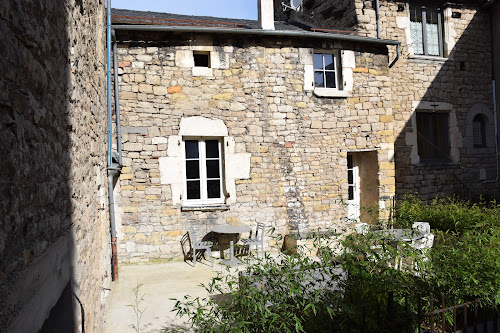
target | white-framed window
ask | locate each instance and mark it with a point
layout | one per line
(426, 28)
(203, 171)
(326, 71)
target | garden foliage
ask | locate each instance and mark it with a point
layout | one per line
(360, 281)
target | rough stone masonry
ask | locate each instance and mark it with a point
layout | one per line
(53, 215)
(297, 142)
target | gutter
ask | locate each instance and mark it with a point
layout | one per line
(256, 32)
(261, 32)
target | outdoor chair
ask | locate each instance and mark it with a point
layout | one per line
(361, 228)
(423, 227)
(257, 239)
(200, 245)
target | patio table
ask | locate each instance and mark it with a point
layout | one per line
(400, 235)
(232, 231)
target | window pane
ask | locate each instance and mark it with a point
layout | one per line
(191, 148)
(423, 135)
(193, 189)
(192, 169)
(213, 169)
(432, 39)
(201, 59)
(319, 79)
(350, 177)
(212, 148)
(213, 189)
(329, 62)
(478, 130)
(440, 135)
(351, 193)
(318, 61)
(416, 37)
(331, 80)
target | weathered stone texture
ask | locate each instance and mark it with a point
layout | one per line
(298, 142)
(52, 200)
(461, 79)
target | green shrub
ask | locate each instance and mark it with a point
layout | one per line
(448, 214)
(278, 295)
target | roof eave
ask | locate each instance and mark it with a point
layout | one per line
(257, 32)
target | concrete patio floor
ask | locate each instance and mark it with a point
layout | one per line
(160, 282)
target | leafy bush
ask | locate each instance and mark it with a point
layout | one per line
(358, 285)
(448, 214)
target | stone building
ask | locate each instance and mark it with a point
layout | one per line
(240, 122)
(446, 139)
(237, 124)
(54, 238)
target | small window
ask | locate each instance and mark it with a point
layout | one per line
(203, 166)
(432, 137)
(426, 29)
(326, 70)
(479, 131)
(201, 59)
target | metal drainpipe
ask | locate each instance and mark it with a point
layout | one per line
(377, 17)
(493, 82)
(117, 101)
(111, 170)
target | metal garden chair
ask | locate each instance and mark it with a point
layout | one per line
(200, 245)
(256, 240)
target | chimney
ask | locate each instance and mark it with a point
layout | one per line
(266, 14)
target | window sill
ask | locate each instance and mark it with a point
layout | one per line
(205, 208)
(428, 58)
(328, 92)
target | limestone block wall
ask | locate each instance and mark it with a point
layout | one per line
(53, 225)
(294, 142)
(462, 80)
(460, 84)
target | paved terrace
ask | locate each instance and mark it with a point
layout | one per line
(160, 282)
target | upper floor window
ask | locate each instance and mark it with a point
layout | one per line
(433, 137)
(326, 70)
(201, 59)
(203, 166)
(479, 131)
(426, 26)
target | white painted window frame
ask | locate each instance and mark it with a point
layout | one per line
(337, 70)
(344, 65)
(204, 200)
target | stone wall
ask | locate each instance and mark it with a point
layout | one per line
(53, 226)
(460, 84)
(462, 80)
(296, 142)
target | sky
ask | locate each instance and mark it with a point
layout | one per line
(242, 9)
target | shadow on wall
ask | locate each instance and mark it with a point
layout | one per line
(437, 149)
(41, 197)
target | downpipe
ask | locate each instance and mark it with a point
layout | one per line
(495, 119)
(117, 100)
(112, 169)
(493, 83)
